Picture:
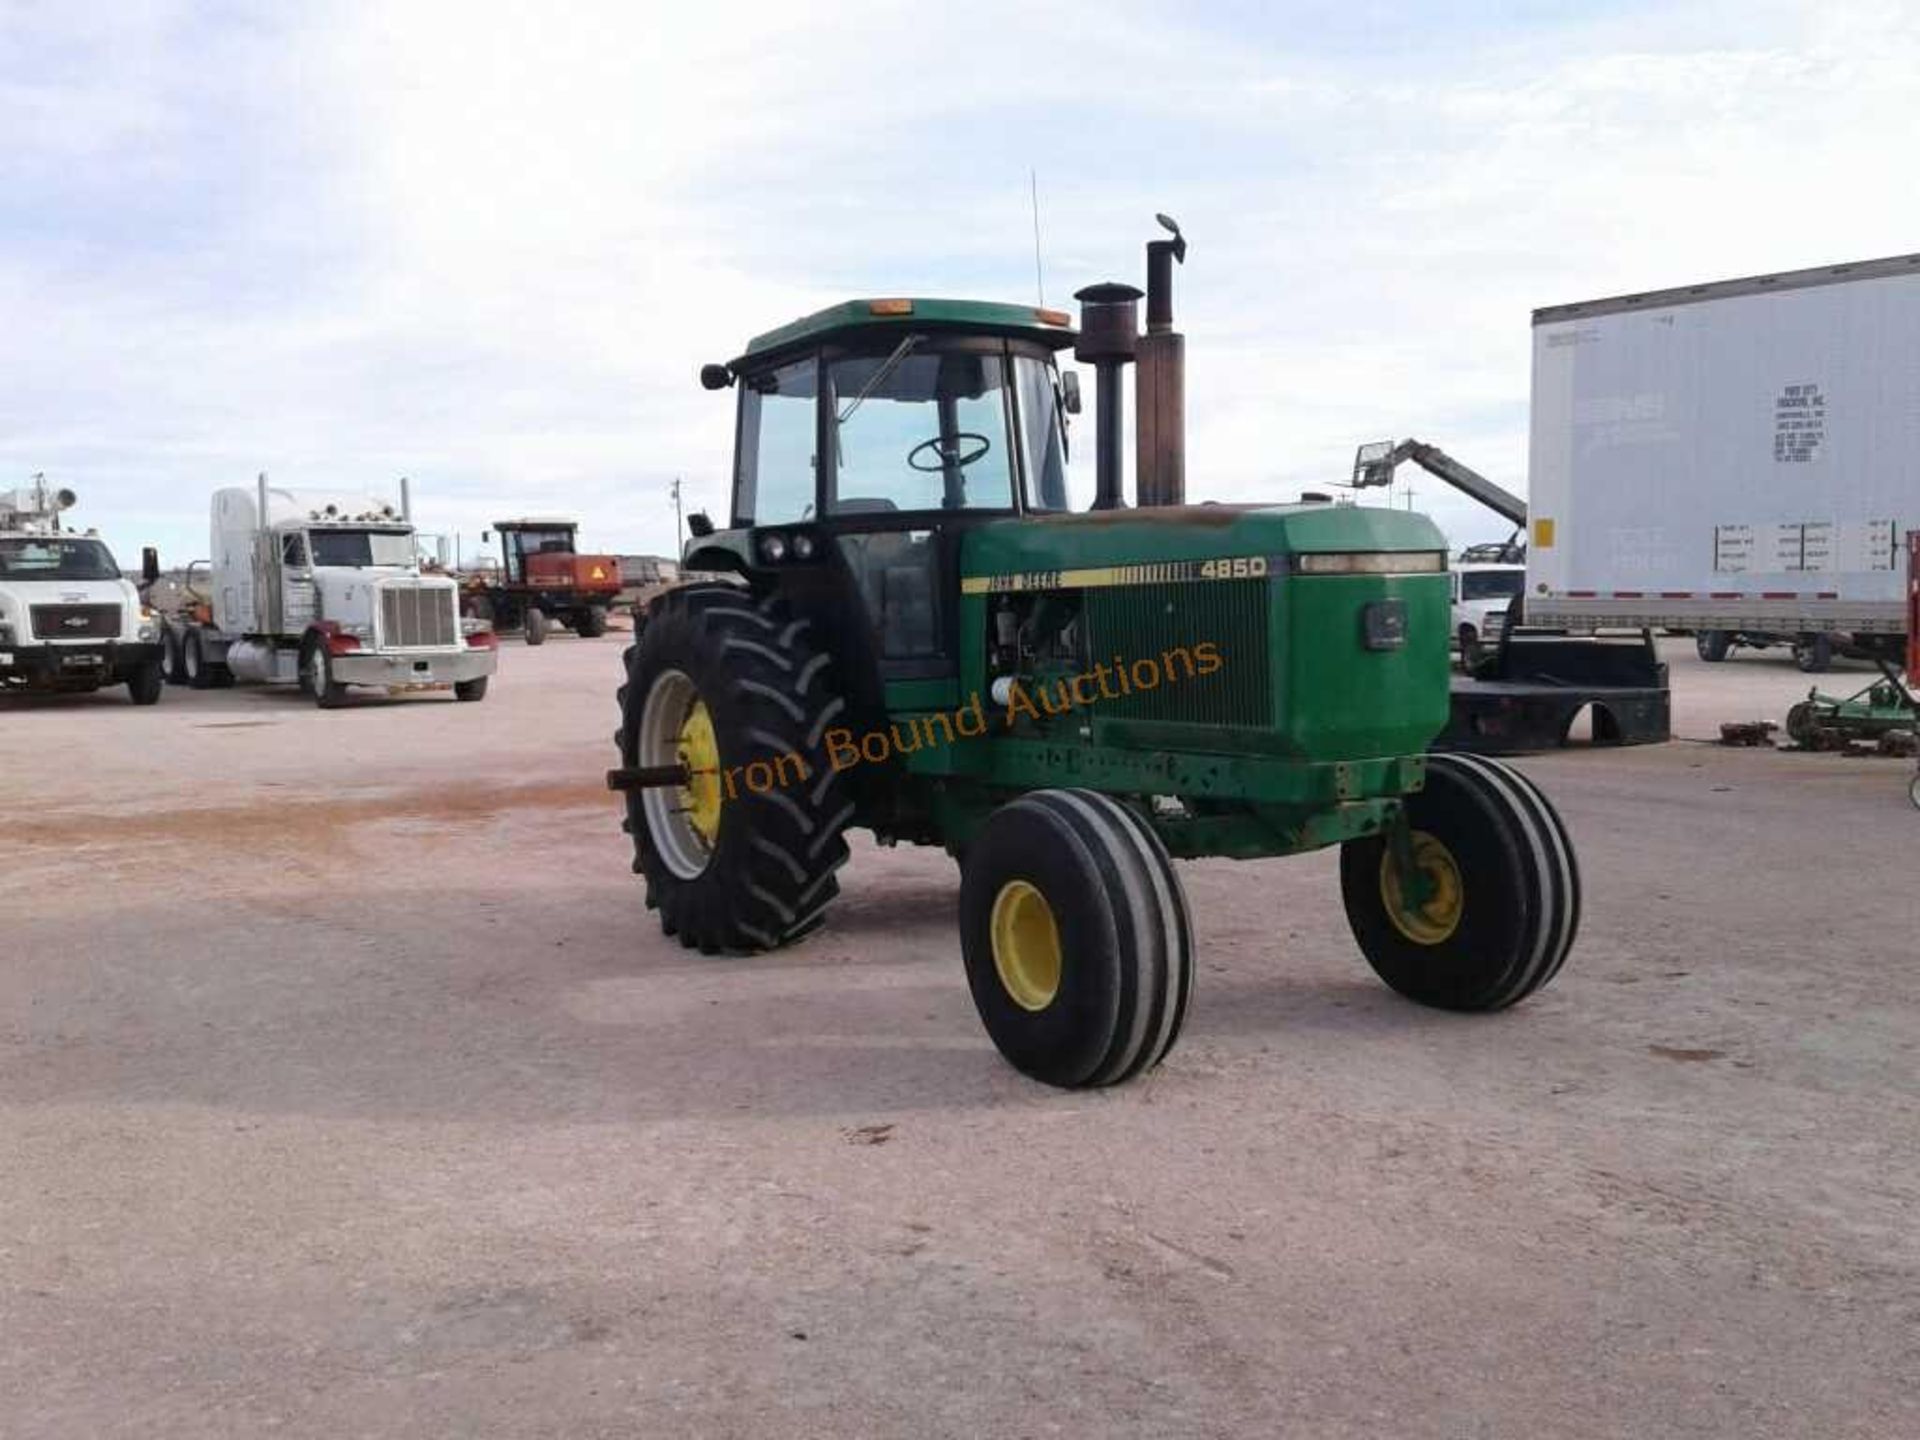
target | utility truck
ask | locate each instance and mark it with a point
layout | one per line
(325, 590)
(918, 637)
(69, 620)
(1736, 459)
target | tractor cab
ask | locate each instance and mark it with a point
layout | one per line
(871, 437)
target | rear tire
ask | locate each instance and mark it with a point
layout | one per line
(195, 668)
(1502, 906)
(171, 639)
(1712, 645)
(1813, 653)
(536, 625)
(729, 686)
(1469, 648)
(591, 623)
(1075, 932)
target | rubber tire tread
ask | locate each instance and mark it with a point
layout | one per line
(1522, 890)
(1124, 931)
(771, 875)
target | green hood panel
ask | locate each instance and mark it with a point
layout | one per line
(1016, 548)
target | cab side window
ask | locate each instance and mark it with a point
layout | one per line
(778, 426)
(293, 550)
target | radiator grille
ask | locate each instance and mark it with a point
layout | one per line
(1154, 622)
(76, 622)
(418, 617)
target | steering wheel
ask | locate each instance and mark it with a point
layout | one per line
(950, 452)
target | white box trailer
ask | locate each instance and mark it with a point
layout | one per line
(1740, 457)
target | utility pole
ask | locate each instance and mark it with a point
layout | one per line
(679, 530)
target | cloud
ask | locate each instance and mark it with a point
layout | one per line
(488, 245)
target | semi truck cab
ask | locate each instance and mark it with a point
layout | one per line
(69, 620)
(326, 590)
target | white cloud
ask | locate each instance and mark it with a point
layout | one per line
(488, 244)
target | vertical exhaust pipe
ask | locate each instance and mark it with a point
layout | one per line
(1160, 388)
(1109, 333)
(406, 500)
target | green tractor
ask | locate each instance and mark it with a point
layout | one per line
(918, 637)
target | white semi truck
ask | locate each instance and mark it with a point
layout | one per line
(1739, 459)
(324, 590)
(69, 620)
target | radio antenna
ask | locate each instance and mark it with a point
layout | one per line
(1039, 277)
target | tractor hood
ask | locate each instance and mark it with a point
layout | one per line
(1035, 548)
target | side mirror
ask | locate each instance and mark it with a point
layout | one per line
(715, 377)
(149, 565)
(486, 537)
(700, 523)
(1070, 391)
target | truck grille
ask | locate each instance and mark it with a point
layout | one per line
(1159, 622)
(76, 622)
(418, 617)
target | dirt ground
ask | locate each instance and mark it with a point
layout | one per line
(346, 1089)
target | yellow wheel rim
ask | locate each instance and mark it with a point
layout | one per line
(700, 753)
(1429, 911)
(1026, 945)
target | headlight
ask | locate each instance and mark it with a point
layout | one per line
(361, 628)
(148, 630)
(773, 548)
(803, 547)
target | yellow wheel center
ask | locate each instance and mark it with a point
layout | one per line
(1428, 910)
(1026, 945)
(700, 753)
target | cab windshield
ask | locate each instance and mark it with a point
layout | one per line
(1492, 584)
(56, 557)
(356, 549)
(923, 425)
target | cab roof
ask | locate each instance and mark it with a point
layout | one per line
(1052, 328)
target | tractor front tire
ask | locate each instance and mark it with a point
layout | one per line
(536, 625)
(1077, 942)
(471, 690)
(742, 857)
(1497, 903)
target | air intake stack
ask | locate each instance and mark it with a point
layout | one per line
(1109, 333)
(1160, 434)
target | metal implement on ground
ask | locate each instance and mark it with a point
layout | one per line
(542, 578)
(918, 636)
(1883, 714)
(324, 590)
(69, 620)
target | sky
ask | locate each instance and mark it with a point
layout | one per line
(488, 245)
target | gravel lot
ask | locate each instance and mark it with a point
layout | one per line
(347, 1089)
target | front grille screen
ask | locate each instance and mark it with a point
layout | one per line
(1159, 622)
(417, 617)
(76, 622)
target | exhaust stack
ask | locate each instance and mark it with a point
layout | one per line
(1109, 334)
(1160, 434)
